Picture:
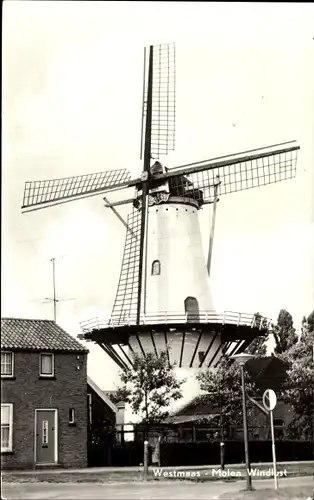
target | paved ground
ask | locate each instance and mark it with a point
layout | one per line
(152, 490)
(108, 470)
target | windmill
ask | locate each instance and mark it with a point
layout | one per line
(163, 300)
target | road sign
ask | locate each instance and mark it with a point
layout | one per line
(269, 399)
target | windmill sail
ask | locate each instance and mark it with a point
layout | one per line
(235, 173)
(55, 191)
(163, 100)
(159, 117)
(125, 304)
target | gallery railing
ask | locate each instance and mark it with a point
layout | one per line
(166, 317)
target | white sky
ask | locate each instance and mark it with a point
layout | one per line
(72, 91)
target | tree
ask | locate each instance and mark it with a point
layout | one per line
(307, 324)
(284, 332)
(310, 321)
(119, 395)
(150, 385)
(224, 392)
(258, 345)
(298, 390)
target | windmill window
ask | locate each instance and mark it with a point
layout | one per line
(191, 308)
(155, 268)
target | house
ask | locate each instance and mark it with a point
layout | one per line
(194, 420)
(43, 396)
(100, 406)
(102, 418)
(120, 415)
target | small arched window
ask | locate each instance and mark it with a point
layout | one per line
(155, 268)
(191, 309)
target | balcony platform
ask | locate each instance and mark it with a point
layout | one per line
(235, 332)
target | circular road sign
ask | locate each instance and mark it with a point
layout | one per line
(269, 399)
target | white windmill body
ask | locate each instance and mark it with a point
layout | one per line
(176, 287)
(176, 267)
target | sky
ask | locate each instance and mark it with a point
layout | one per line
(71, 103)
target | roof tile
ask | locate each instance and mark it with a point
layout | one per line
(37, 335)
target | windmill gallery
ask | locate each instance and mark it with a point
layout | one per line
(157, 306)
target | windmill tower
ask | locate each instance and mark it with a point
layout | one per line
(163, 301)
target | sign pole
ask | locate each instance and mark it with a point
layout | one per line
(269, 402)
(145, 460)
(273, 448)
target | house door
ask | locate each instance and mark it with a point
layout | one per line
(192, 309)
(46, 423)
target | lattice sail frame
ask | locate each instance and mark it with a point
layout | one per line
(51, 191)
(234, 174)
(125, 303)
(163, 125)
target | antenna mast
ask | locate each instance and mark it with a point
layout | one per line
(55, 300)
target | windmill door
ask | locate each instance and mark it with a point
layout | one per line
(46, 436)
(191, 309)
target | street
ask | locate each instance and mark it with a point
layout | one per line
(151, 490)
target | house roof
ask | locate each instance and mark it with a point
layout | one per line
(183, 419)
(267, 372)
(198, 406)
(37, 335)
(101, 394)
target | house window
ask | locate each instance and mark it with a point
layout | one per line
(155, 268)
(7, 364)
(71, 416)
(46, 365)
(44, 432)
(278, 422)
(6, 426)
(89, 404)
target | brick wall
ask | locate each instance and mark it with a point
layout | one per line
(28, 392)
